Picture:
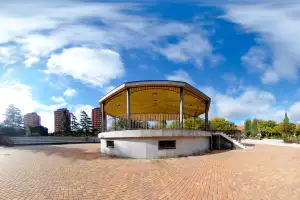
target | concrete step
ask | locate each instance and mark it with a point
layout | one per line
(235, 142)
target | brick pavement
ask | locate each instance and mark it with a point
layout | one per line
(80, 172)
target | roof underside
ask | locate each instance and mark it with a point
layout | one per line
(155, 100)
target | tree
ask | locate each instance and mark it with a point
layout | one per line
(286, 119)
(247, 129)
(286, 124)
(160, 124)
(221, 124)
(74, 124)
(120, 124)
(27, 131)
(254, 128)
(174, 125)
(85, 122)
(267, 128)
(39, 130)
(297, 130)
(189, 123)
(13, 117)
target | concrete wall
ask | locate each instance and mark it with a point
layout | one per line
(51, 140)
(148, 147)
(154, 133)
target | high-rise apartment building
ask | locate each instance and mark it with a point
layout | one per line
(32, 119)
(59, 116)
(96, 118)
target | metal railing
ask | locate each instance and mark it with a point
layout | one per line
(168, 121)
(154, 121)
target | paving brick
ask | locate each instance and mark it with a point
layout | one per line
(81, 172)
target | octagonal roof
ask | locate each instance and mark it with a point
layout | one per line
(155, 96)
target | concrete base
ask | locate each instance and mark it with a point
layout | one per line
(144, 143)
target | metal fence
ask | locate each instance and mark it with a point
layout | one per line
(168, 121)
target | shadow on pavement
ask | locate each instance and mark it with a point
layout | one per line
(73, 153)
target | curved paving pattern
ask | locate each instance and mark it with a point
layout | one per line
(80, 172)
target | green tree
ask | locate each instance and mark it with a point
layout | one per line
(221, 124)
(286, 119)
(121, 124)
(247, 129)
(189, 123)
(74, 124)
(160, 124)
(267, 128)
(39, 130)
(13, 117)
(27, 131)
(297, 130)
(254, 128)
(286, 123)
(174, 125)
(85, 122)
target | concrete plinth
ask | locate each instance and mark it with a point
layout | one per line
(145, 143)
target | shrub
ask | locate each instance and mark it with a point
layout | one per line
(291, 140)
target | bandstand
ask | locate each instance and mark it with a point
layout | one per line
(154, 119)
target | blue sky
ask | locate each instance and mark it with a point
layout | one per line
(69, 54)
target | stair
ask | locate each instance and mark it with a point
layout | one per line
(236, 144)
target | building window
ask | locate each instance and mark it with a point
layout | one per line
(167, 144)
(110, 144)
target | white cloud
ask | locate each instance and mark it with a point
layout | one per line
(21, 96)
(270, 76)
(180, 75)
(30, 61)
(293, 112)
(251, 101)
(229, 77)
(194, 47)
(277, 26)
(50, 107)
(209, 91)
(56, 25)
(70, 92)
(78, 108)
(17, 94)
(248, 104)
(110, 88)
(255, 59)
(8, 55)
(92, 66)
(7, 72)
(58, 99)
(47, 120)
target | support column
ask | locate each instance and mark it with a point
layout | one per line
(128, 108)
(195, 123)
(115, 119)
(206, 116)
(181, 109)
(103, 117)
